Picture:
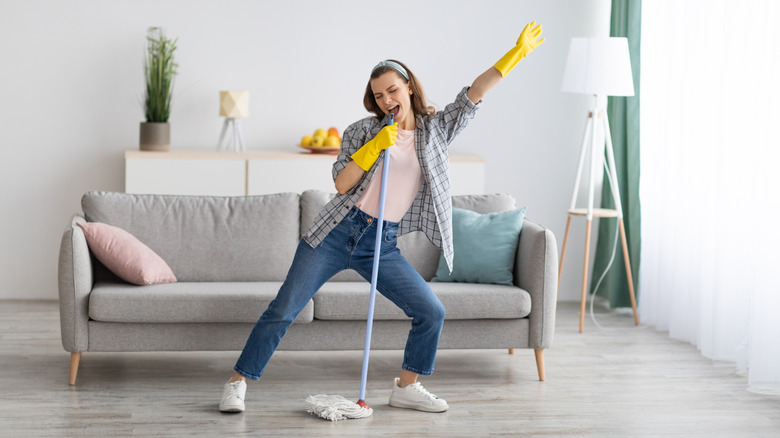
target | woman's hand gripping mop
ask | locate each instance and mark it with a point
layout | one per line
(336, 407)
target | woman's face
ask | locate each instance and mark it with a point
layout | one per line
(393, 95)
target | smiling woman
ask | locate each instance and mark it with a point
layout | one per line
(418, 199)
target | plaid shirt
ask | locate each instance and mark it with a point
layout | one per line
(431, 211)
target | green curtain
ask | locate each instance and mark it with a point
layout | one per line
(623, 113)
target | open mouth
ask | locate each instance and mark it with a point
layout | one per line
(394, 110)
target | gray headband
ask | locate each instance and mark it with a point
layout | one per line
(395, 66)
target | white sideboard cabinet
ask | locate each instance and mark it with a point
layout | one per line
(260, 172)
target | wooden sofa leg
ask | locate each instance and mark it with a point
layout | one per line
(74, 367)
(540, 362)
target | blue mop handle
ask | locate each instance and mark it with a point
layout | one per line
(375, 269)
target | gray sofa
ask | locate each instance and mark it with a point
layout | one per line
(231, 254)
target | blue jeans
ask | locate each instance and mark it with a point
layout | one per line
(350, 246)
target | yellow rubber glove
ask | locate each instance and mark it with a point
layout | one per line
(526, 43)
(366, 156)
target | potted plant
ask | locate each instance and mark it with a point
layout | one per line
(159, 70)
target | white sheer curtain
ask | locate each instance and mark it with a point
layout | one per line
(710, 179)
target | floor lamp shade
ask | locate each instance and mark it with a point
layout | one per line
(600, 66)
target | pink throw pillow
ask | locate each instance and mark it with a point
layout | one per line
(125, 255)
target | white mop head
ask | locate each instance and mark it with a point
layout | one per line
(335, 407)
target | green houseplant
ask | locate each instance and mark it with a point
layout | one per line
(159, 71)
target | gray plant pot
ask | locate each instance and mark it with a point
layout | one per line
(155, 137)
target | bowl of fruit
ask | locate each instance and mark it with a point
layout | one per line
(322, 141)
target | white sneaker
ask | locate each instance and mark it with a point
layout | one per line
(233, 397)
(414, 396)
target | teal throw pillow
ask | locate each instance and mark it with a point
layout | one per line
(484, 246)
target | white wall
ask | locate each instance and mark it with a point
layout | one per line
(71, 84)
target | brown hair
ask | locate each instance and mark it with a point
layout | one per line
(418, 95)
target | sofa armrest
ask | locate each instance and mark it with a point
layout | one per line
(536, 271)
(75, 283)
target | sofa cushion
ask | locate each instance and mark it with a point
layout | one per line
(126, 256)
(462, 301)
(424, 255)
(208, 238)
(186, 302)
(485, 246)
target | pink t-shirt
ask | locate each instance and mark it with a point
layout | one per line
(403, 182)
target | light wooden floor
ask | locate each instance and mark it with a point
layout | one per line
(619, 381)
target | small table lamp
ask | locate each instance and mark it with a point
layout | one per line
(234, 105)
(602, 67)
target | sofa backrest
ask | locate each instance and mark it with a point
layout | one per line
(246, 238)
(208, 238)
(312, 202)
(485, 203)
(415, 246)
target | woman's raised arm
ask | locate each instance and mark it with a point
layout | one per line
(528, 41)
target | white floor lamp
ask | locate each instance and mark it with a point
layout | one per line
(601, 67)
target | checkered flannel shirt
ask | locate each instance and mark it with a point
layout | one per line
(431, 211)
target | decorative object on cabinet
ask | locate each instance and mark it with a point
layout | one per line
(600, 67)
(322, 141)
(159, 71)
(233, 105)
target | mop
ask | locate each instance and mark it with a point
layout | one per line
(336, 407)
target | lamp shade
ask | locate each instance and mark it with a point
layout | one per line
(234, 104)
(600, 66)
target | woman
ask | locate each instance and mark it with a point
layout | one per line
(343, 234)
